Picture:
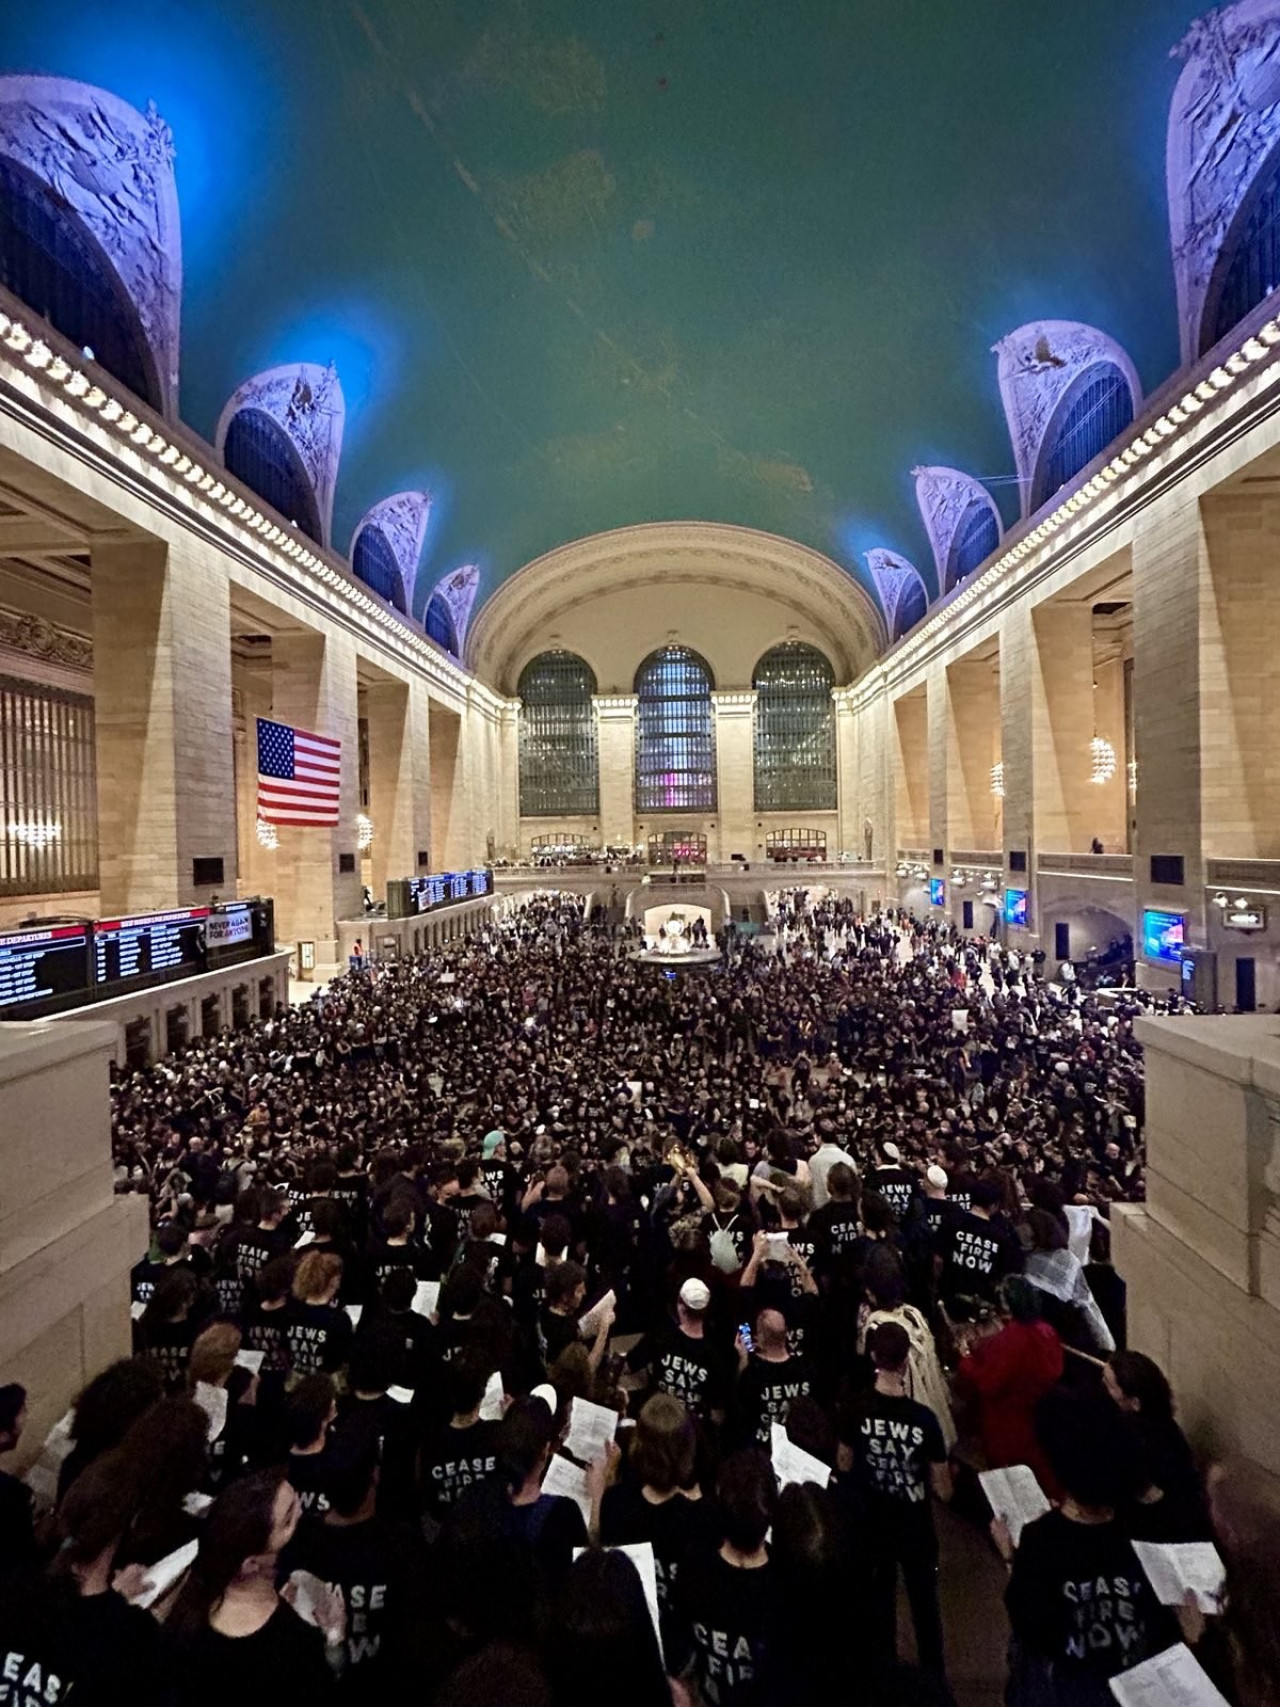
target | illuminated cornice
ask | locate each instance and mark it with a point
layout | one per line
(180, 470)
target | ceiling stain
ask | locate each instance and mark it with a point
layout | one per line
(558, 202)
(559, 77)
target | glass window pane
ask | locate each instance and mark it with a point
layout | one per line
(48, 791)
(559, 760)
(1098, 412)
(675, 734)
(795, 733)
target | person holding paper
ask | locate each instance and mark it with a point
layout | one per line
(900, 1466)
(725, 1598)
(69, 1622)
(1004, 1376)
(232, 1637)
(657, 1497)
(602, 1637)
(1080, 1606)
(465, 1451)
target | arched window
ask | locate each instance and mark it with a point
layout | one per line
(795, 743)
(375, 564)
(675, 735)
(1095, 409)
(559, 760)
(975, 539)
(1248, 265)
(439, 624)
(53, 263)
(258, 451)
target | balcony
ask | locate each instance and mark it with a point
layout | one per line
(1117, 866)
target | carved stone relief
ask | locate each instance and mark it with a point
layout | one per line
(904, 598)
(946, 497)
(37, 638)
(113, 166)
(402, 519)
(1224, 121)
(1035, 366)
(306, 400)
(458, 590)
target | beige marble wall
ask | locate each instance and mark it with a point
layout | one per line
(67, 1242)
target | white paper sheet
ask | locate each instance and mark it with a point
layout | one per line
(1080, 1219)
(401, 1395)
(588, 1324)
(426, 1297)
(195, 1504)
(250, 1360)
(355, 1311)
(491, 1404)
(1175, 1568)
(308, 1596)
(565, 1478)
(641, 1556)
(791, 1463)
(165, 1572)
(1014, 1495)
(136, 1309)
(1174, 1678)
(591, 1428)
(213, 1402)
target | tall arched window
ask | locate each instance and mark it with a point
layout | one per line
(675, 734)
(375, 564)
(1095, 410)
(1248, 264)
(975, 539)
(438, 623)
(559, 760)
(795, 767)
(258, 451)
(53, 263)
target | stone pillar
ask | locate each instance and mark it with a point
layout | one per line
(616, 732)
(448, 809)
(1062, 728)
(509, 780)
(1170, 584)
(162, 714)
(972, 746)
(735, 773)
(1201, 1258)
(399, 779)
(848, 794)
(911, 770)
(313, 686)
(67, 1242)
(1110, 799)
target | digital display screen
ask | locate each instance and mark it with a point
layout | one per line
(41, 966)
(230, 926)
(481, 882)
(150, 945)
(439, 890)
(937, 892)
(459, 885)
(1015, 906)
(1162, 935)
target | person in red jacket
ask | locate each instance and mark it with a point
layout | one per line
(1005, 1376)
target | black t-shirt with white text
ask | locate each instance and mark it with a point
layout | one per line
(895, 1441)
(977, 1254)
(455, 1459)
(695, 1371)
(765, 1394)
(728, 1614)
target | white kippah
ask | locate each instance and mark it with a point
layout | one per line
(937, 1176)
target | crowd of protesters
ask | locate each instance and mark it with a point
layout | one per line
(850, 1187)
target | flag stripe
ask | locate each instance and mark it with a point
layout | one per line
(299, 775)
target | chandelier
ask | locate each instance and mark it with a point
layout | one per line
(1132, 768)
(35, 832)
(364, 831)
(267, 837)
(1103, 758)
(997, 779)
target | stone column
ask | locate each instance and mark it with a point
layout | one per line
(1170, 584)
(313, 686)
(163, 719)
(973, 730)
(1110, 798)
(936, 745)
(1017, 749)
(399, 779)
(735, 773)
(616, 732)
(848, 794)
(1062, 712)
(911, 770)
(508, 783)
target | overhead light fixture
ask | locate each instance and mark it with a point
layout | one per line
(364, 831)
(997, 779)
(267, 836)
(1102, 759)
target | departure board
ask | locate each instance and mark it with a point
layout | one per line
(150, 946)
(48, 967)
(409, 895)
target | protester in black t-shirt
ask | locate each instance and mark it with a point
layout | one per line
(690, 1360)
(318, 1332)
(231, 1636)
(465, 1450)
(17, 1533)
(724, 1598)
(978, 1249)
(896, 1184)
(602, 1637)
(65, 1633)
(1079, 1602)
(310, 1412)
(900, 1465)
(770, 1380)
(658, 1499)
(379, 1567)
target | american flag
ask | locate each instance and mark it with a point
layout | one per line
(297, 775)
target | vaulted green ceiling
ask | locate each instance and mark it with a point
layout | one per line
(582, 263)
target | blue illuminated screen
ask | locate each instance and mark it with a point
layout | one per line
(1015, 906)
(1162, 935)
(937, 892)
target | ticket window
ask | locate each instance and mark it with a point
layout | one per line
(240, 1006)
(210, 1016)
(177, 1029)
(266, 997)
(137, 1044)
